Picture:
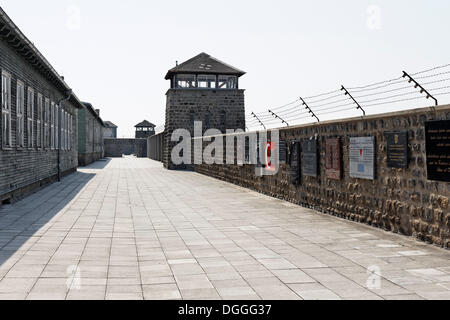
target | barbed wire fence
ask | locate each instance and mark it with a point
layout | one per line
(159, 129)
(419, 87)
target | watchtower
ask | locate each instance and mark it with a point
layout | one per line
(144, 130)
(202, 89)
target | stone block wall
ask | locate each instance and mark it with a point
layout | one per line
(218, 109)
(155, 147)
(399, 200)
(116, 148)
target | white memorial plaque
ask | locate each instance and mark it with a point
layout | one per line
(362, 158)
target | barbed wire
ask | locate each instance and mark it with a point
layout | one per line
(286, 105)
(390, 97)
(383, 92)
(379, 87)
(441, 88)
(432, 75)
(432, 69)
(324, 99)
(375, 94)
(334, 111)
(321, 95)
(375, 84)
(394, 101)
(329, 103)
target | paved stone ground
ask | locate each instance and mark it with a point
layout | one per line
(134, 231)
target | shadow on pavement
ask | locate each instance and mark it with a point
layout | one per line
(98, 165)
(25, 219)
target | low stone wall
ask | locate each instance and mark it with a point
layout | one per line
(401, 200)
(155, 147)
(116, 148)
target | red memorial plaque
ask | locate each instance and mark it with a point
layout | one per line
(333, 169)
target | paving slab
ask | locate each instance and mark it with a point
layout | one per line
(133, 230)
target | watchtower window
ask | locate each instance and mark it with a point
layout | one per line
(185, 81)
(207, 81)
(228, 82)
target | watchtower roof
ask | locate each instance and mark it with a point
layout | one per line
(145, 124)
(204, 64)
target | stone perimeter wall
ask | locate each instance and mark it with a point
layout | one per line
(116, 148)
(398, 200)
(155, 147)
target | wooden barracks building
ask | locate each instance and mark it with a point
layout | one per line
(38, 128)
(90, 135)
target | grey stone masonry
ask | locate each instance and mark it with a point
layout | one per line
(218, 109)
(116, 148)
(401, 200)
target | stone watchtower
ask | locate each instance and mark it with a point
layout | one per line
(202, 89)
(144, 130)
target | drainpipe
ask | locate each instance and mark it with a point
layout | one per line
(69, 94)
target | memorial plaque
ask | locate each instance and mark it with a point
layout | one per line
(294, 163)
(282, 152)
(333, 159)
(438, 150)
(397, 149)
(309, 158)
(362, 158)
(247, 150)
(258, 155)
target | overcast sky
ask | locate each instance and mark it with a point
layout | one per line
(115, 54)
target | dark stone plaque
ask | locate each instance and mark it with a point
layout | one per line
(294, 163)
(258, 156)
(397, 149)
(309, 158)
(333, 159)
(438, 150)
(247, 150)
(282, 151)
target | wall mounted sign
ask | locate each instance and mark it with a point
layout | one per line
(362, 158)
(259, 147)
(247, 150)
(269, 149)
(438, 150)
(397, 149)
(294, 163)
(309, 158)
(333, 159)
(282, 152)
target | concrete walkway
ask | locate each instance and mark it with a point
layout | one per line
(127, 229)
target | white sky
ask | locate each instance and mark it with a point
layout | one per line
(115, 54)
